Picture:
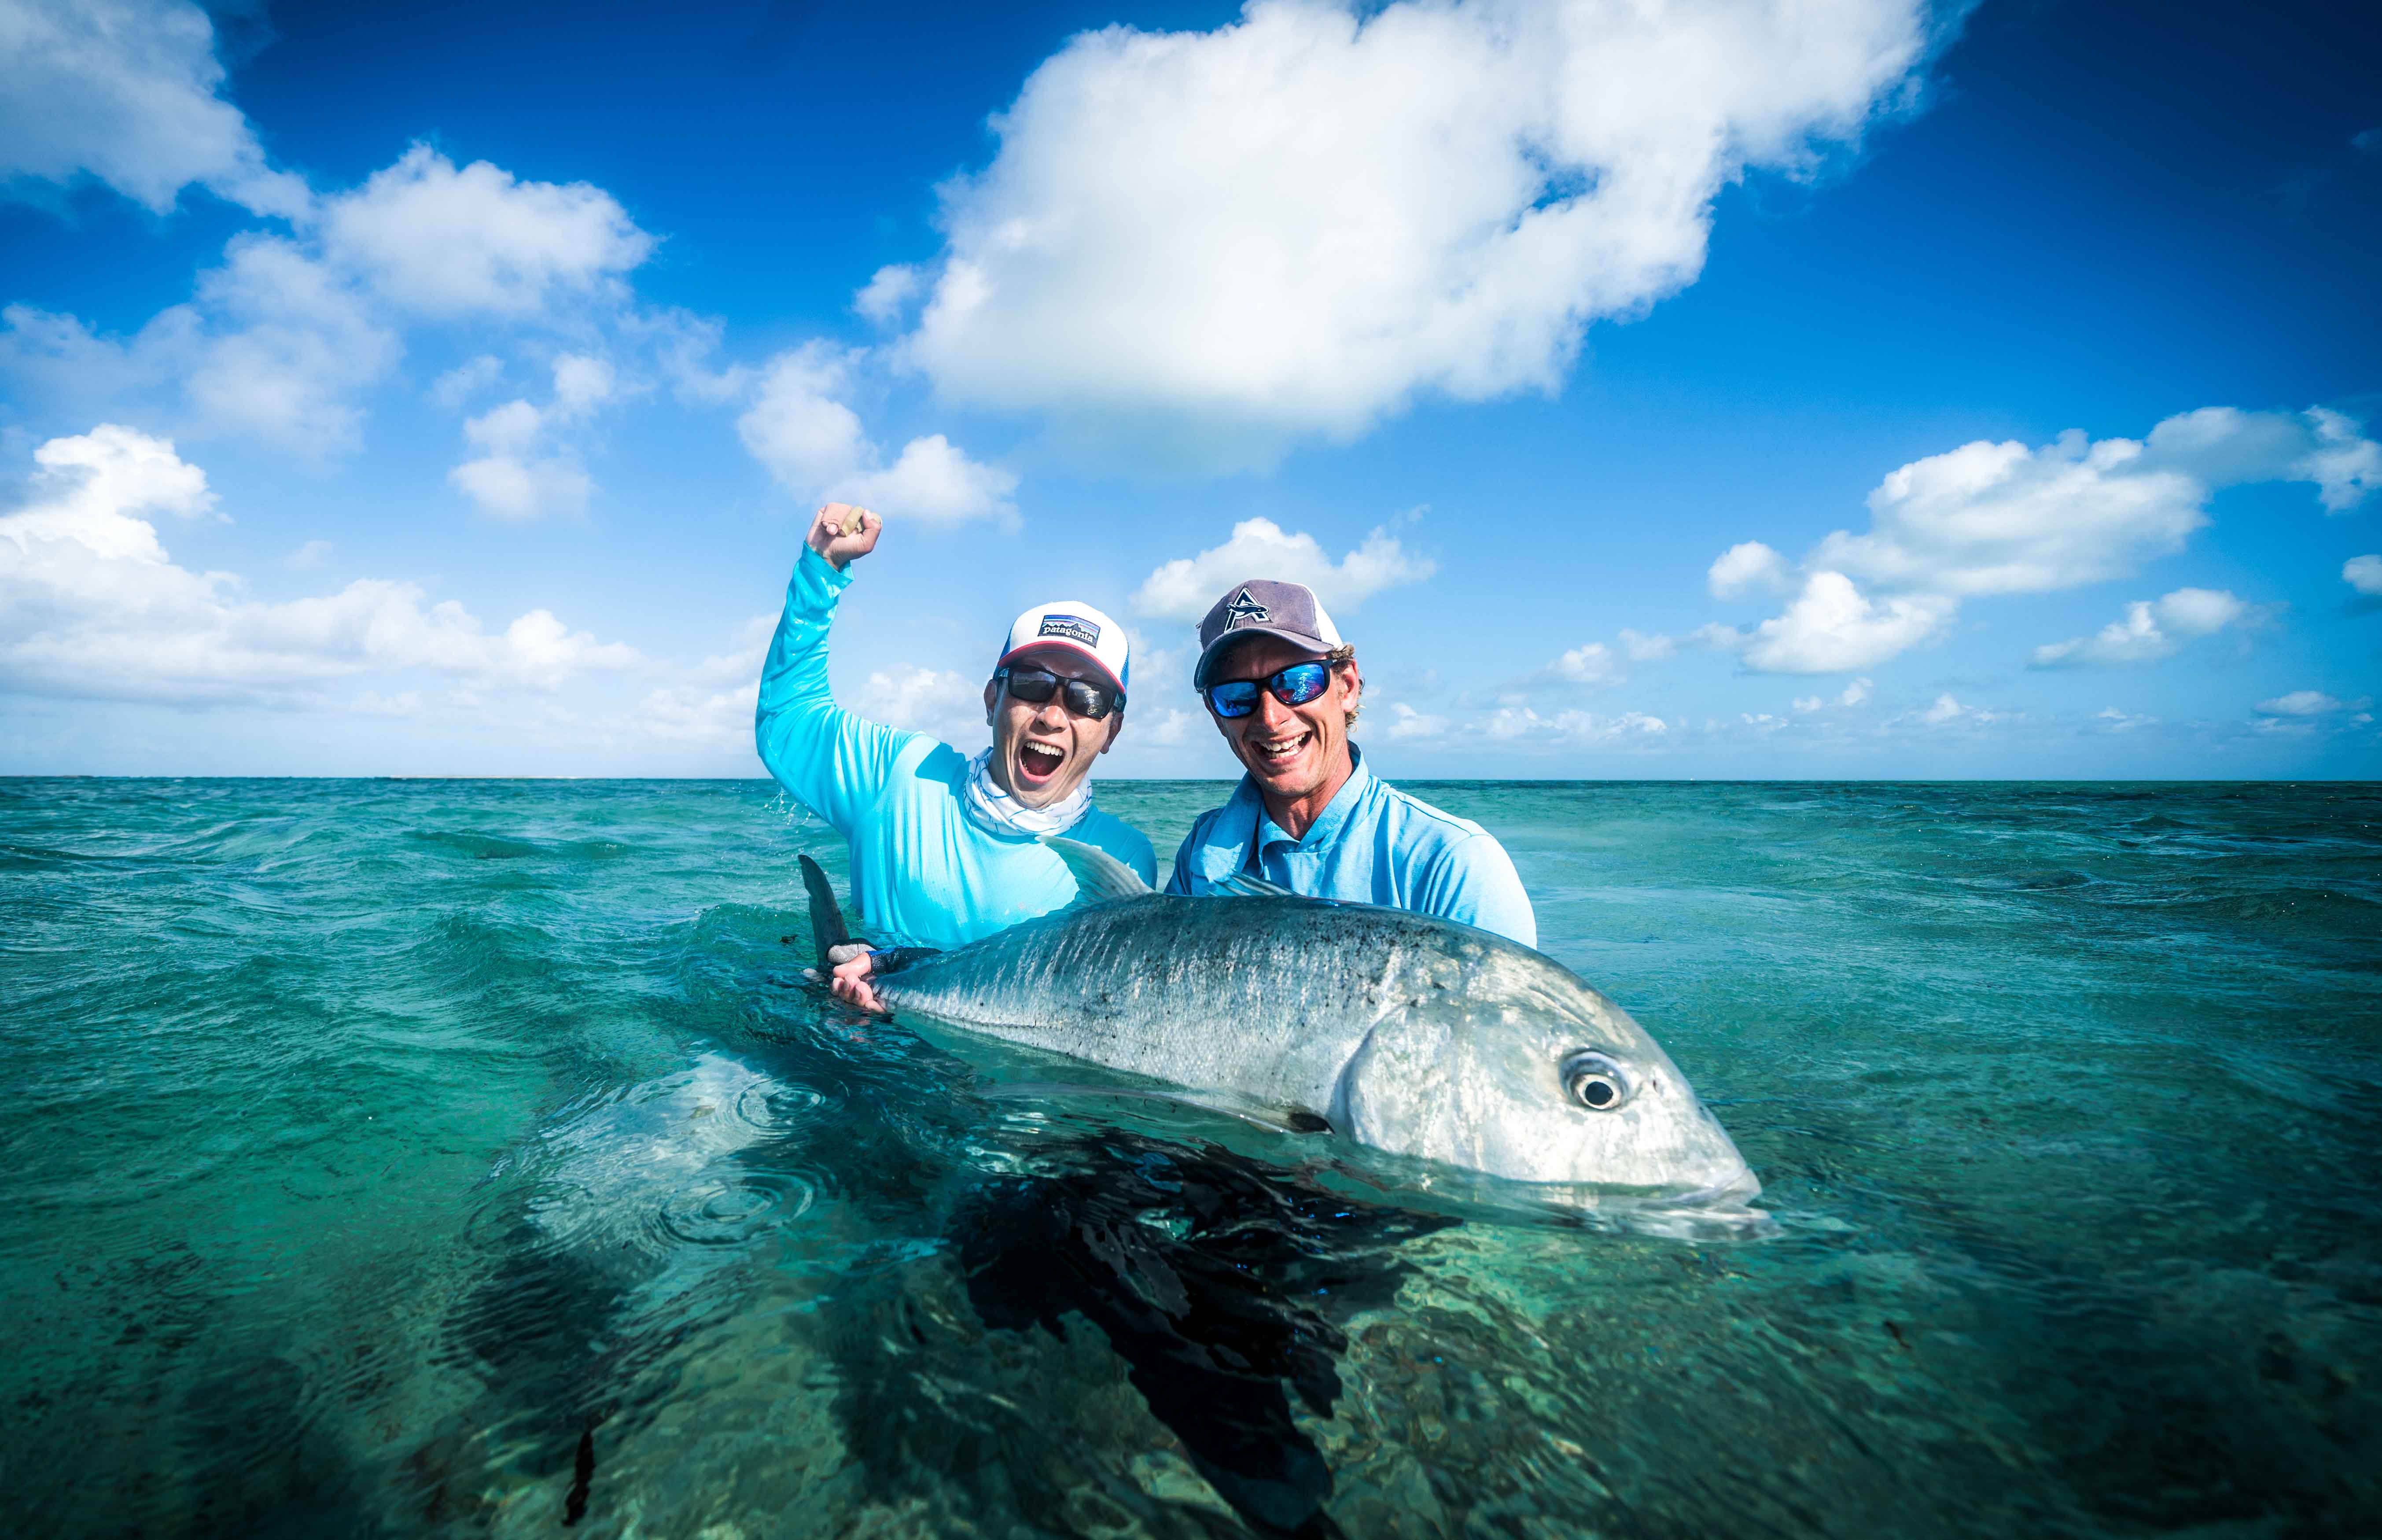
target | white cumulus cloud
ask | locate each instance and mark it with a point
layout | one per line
(1519, 721)
(1182, 589)
(93, 606)
(1644, 648)
(273, 344)
(1592, 664)
(1745, 567)
(583, 382)
(2004, 519)
(1832, 627)
(1947, 710)
(2151, 629)
(943, 702)
(2301, 703)
(2344, 463)
(107, 475)
(815, 447)
(888, 292)
(935, 480)
(711, 704)
(1989, 519)
(1712, 636)
(506, 487)
(127, 90)
(1170, 731)
(796, 427)
(467, 379)
(281, 340)
(2362, 573)
(1408, 725)
(1297, 223)
(449, 241)
(519, 472)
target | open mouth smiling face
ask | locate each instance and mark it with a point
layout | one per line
(1291, 750)
(1044, 749)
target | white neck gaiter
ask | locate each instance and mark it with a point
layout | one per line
(996, 812)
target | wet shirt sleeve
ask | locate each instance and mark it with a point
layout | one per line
(1474, 882)
(834, 762)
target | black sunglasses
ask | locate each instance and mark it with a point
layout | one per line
(1295, 685)
(1084, 697)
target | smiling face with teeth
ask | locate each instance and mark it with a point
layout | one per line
(1042, 753)
(1297, 754)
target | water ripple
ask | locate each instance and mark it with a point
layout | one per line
(376, 1147)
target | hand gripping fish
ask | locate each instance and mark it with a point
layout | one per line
(1411, 1034)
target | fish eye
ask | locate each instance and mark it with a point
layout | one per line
(1594, 1081)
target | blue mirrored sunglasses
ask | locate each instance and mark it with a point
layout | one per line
(1295, 685)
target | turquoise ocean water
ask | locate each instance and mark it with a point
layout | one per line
(430, 1158)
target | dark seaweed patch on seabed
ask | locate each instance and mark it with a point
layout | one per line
(1222, 1287)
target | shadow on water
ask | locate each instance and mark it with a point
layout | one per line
(1221, 1285)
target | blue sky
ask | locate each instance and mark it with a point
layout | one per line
(1722, 389)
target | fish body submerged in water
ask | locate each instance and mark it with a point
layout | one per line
(1408, 1034)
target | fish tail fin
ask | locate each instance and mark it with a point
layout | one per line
(827, 919)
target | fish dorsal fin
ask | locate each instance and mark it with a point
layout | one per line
(1097, 874)
(1240, 884)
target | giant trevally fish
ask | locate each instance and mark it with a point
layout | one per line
(1408, 1034)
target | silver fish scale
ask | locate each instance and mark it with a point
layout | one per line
(1140, 984)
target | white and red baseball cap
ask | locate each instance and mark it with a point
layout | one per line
(1072, 627)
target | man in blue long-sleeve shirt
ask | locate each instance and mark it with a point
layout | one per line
(943, 847)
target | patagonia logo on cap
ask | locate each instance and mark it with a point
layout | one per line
(1245, 610)
(1071, 627)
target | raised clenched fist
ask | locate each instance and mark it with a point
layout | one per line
(842, 532)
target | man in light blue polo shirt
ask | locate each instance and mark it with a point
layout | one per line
(1282, 689)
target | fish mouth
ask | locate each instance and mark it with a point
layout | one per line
(1037, 765)
(1678, 1217)
(1719, 1207)
(1732, 1194)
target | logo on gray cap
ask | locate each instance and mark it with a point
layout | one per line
(1245, 611)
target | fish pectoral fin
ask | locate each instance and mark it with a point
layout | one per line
(1240, 884)
(1282, 1120)
(1263, 1115)
(1098, 875)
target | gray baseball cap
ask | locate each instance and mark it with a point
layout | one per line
(1260, 607)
